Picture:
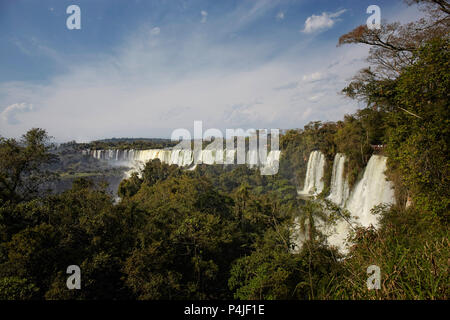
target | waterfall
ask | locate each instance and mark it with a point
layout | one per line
(272, 163)
(185, 158)
(208, 157)
(339, 189)
(373, 189)
(252, 158)
(230, 156)
(314, 173)
(164, 156)
(175, 158)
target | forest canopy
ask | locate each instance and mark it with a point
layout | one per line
(216, 233)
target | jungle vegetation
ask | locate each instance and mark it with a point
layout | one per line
(216, 233)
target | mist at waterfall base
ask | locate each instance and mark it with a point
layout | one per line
(371, 190)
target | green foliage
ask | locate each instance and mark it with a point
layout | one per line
(128, 144)
(296, 147)
(228, 232)
(270, 272)
(14, 288)
(273, 271)
(418, 145)
(411, 252)
(129, 187)
(21, 165)
(354, 137)
(411, 116)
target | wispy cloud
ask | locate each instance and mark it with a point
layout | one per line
(324, 21)
(204, 15)
(147, 91)
(316, 98)
(9, 114)
(155, 31)
(316, 76)
(280, 15)
(291, 85)
(149, 85)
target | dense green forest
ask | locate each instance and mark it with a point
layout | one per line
(129, 143)
(227, 233)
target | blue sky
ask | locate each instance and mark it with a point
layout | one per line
(144, 68)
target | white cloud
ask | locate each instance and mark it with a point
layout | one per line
(247, 13)
(204, 15)
(316, 76)
(324, 21)
(288, 86)
(315, 98)
(140, 90)
(155, 31)
(9, 115)
(280, 15)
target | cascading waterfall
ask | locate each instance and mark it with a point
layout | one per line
(339, 188)
(314, 174)
(184, 158)
(252, 158)
(373, 189)
(271, 166)
(208, 157)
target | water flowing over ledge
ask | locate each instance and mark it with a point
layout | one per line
(339, 188)
(371, 190)
(185, 158)
(314, 174)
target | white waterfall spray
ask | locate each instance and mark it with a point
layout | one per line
(339, 188)
(184, 158)
(373, 189)
(314, 174)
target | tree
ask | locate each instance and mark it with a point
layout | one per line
(129, 187)
(310, 218)
(21, 165)
(14, 288)
(392, 47)
(418, 146)
(411, 252)
(269, 272)
(184, 243)
(414, 100)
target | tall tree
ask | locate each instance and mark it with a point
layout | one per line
(21, 164)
